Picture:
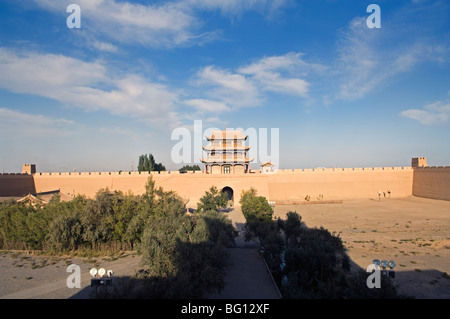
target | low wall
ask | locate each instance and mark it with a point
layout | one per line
(16, 185)
(432, 182)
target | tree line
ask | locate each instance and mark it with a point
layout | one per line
(184, 255)
(147, 163)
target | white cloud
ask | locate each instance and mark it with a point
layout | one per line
(281, 73)
(237, 7)
(29, 125)
(87, 85)
(208, 105)
(437, 113)
(230, 88)
(166, 24)
(249, 85)
(369, 58)
(105, 46)
(158, 24)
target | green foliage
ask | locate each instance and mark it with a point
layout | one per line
(185, 255)
(212, 200)
(311, 262)
(82, 223)
(146, 163)
(255, 208)
(186, 168)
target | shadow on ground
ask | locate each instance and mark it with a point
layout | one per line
(318, 267)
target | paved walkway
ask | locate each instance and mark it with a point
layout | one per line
(248, 276)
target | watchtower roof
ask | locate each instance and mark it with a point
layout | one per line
(226, 135)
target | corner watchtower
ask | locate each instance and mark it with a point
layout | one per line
(419, 162)
(29, 169)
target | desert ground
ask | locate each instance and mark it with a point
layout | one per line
(412, 231)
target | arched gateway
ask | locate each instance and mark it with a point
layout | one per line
(229, 192)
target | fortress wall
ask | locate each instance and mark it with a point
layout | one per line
(16, 185)
(188, 186)
(88, 183)
(335, 183)
(194, 186)
(432, 182)
(341, 183)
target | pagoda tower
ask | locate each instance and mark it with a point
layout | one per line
(226, 153)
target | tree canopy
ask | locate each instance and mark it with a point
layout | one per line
(212, 200)
(183, 255)
(146, 163)
(186, 168)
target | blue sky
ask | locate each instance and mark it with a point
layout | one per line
(340, 93)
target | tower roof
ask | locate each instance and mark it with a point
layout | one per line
(226, 135)
(268, 163)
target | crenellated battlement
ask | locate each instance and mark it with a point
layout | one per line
(334, 183)
(339, 169)
(121, 173)
(425, 168)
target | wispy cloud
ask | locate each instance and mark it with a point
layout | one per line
(165, 24)
(437, 113)
(238, 7)
(32, 125)
(231, 89)
(87, 85)
(158, 24)
(208, 105)
(282, 73)
(369, 58)
(249, 85)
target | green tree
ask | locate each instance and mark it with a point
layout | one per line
(186, 168)
(185, 255)
(212, 200)
(255, 208)
(141, 163)
(147, 164)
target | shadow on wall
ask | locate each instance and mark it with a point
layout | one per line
(16, 185)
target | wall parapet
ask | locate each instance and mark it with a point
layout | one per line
(424, 168)
(342, 169)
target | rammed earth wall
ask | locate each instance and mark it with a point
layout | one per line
(432, 182)
(289, 185)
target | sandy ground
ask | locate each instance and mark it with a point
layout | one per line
(25, 276)
(412, 231)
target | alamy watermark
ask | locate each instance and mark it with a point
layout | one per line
(188, 149)
(74, 19)
(74, 279)
(377, 269)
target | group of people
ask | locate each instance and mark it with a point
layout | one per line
(308, 198)
(384, 194)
